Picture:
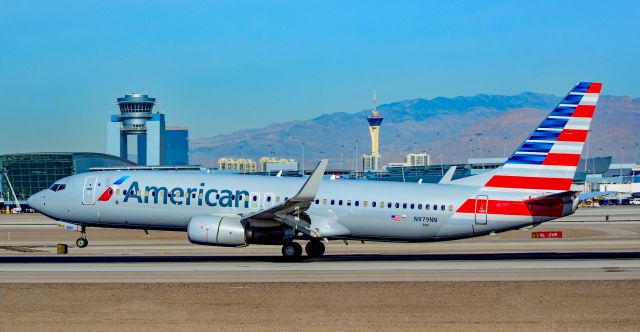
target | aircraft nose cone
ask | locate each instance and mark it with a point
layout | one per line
(36, 201)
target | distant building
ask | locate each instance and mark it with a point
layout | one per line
(137, 119)
(370, 163)
(241, 165)
(32, 172)
(177, 146)
(418, 159)
(270, 164)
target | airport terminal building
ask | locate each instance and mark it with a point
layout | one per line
(32, 172)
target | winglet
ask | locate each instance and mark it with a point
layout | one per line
(310, 188)
(446, 178)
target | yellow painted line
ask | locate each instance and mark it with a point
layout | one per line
(21, 249)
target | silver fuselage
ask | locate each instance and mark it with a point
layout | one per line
(158, 200)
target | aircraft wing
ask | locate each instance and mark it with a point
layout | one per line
(293, 211)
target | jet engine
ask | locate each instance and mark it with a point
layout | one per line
(217, 231)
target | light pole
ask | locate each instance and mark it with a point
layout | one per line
(480, 145)
(440, 152)
(504, 147)
(355, 160)
(341, 147)
(470, 148)
(635, 162)
(302, 158)
(621, 162)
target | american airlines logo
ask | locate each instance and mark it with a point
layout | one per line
(186, 196)
(108, 193)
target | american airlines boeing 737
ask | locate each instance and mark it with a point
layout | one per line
(533, 186)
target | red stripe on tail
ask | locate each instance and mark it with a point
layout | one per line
(528, 182)
(562, 159)
(573, 135)
(595, 87)
(584, 111)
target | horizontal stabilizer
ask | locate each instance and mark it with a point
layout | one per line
(561, 197)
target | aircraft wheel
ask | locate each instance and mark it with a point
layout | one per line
(314, 249)
(292, 251)
(82, 242)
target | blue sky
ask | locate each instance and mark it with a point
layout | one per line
(220, 66)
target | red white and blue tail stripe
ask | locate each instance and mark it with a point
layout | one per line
(548, 159)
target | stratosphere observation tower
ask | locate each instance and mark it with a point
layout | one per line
(375, 120)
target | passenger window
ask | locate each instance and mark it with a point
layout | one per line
(404, 205)
(397, 205)
(373, 204)
(340, 202)
(268, 198)
(389, 205)
(442, 208)
(435, 206)
(450, 207)
(365, 203)
(412, 206)
(233, 197)
(255, 198)
(317, 201)
(420, 206)
(348, 202)
(381, 205)
(217, 196)
(427, 206)
(357, 203)
(333, 201)
(277, 199)
(324, 201)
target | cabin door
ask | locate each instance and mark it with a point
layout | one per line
(482, 202)
(89, 190)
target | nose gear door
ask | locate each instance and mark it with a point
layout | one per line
(89, 190)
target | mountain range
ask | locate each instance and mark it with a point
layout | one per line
(450, 129)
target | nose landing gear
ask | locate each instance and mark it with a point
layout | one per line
(82, 241)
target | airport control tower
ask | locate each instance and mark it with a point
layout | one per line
(137, 119)
(372, 162)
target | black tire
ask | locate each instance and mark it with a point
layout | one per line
(82, 242)
(292, 251)
(314, 249)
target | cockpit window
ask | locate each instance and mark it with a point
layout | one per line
(57, 187)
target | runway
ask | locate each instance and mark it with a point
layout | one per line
(595, 250)
(587, 280)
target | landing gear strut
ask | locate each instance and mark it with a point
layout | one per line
(82, 241)
(292, 251)
(314, 249)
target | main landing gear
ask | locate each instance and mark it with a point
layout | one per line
(82, 241)
(293, 250)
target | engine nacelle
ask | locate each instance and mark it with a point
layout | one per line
(217, 231)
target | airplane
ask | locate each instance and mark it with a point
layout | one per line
(533, 186)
